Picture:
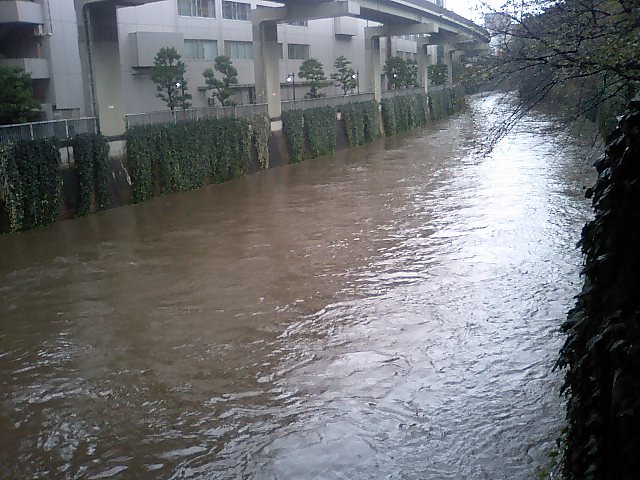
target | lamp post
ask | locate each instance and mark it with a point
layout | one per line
(291, 78)
(356, 77)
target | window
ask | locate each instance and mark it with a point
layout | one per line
(200, 49)
(280, 52)
(298, 52)
(197, 8)
(301, 23)
(239, 50)
(236, 11)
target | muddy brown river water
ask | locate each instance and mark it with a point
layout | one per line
(389, 313)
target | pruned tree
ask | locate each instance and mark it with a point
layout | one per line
(411, 74)
(345, 76)
(168, 75)
(17, 104)
(312, 71)
(395, 69)
(438, 74)
(222, 89)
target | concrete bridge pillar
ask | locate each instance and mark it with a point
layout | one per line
(100, 63)
(265, 61)
(448, 61)
(373, 69)
(423, 64)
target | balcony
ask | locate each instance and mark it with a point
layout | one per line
(20, 11)
(37, 67)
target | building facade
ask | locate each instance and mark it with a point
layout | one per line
(44, 38)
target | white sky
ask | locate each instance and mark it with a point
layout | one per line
(469, 9)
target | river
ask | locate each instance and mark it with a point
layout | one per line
(392, 312)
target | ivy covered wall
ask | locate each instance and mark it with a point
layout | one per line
(320, 131)
(601, 354)
(310, 133)
(91, 157)
(362, 122)
(30, 183)
(406, 112)
(166, 159)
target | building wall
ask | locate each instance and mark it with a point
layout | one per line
(62, 92)
(65, 85)
(320, 35)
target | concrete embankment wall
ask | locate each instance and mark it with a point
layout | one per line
(120, 179)
(180, 157)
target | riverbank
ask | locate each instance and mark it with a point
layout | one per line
(165, 159)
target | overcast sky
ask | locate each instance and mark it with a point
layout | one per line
(468, 9)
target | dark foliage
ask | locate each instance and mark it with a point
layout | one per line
(602, 350)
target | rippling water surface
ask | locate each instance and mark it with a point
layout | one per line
(392, 312)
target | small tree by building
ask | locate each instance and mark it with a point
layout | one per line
(411, 77)
(345, 76)
(438, 74)
(312, 71)
(17, 104)
(168, 75)
(222, 89)
(395, 69)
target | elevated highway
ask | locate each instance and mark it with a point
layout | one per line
(100, 56)
(437, 25)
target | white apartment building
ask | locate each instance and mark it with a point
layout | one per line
(43, 37)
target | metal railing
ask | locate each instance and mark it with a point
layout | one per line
(336, 101)
(403, 92)
(192, 114)
(61, 129)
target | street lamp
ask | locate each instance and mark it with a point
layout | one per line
(355, 77)
(291, 78)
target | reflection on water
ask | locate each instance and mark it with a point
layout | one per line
(389, 313)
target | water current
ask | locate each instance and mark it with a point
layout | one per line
(392, 312)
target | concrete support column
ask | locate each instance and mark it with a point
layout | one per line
(423, 65)
(448, 61)
(373, 68)
(100, 62)
(456, 57)
(267, 72)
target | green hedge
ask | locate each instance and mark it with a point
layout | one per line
(403, 113)
(353, 116)
(371, 114)
(173, 158)
(362, 122)
(410, 111)
(90, 157)
(447, 101)
(389, 116)
(293, 130)
(309, 133)
(320, 130)
(439, 101)
(30, 183)
(261, 129)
